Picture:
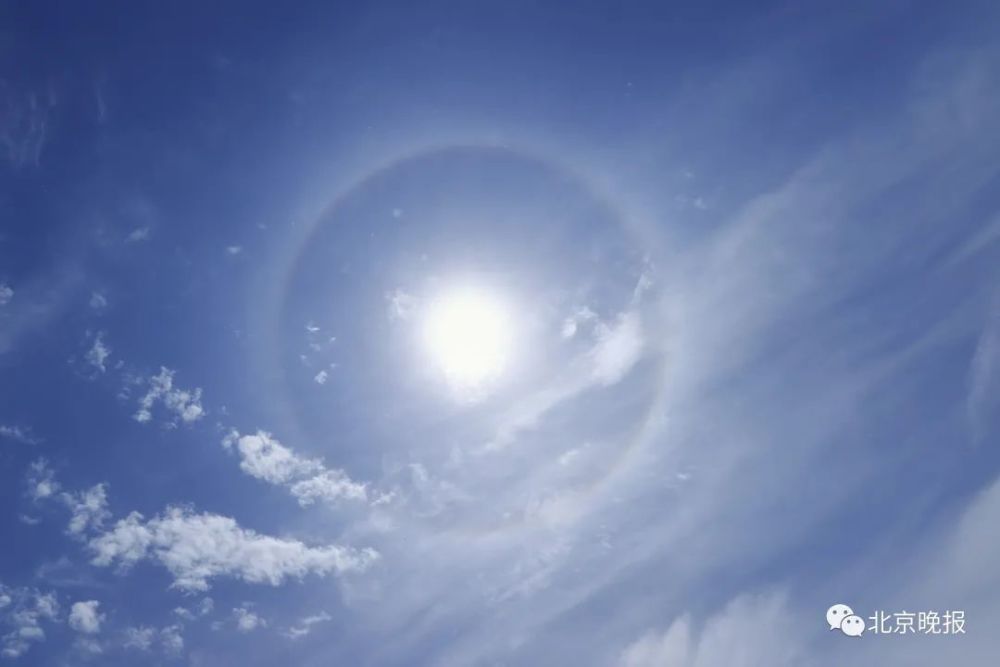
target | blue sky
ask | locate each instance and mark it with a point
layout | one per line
(735, 355)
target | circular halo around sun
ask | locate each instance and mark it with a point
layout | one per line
(467, 335)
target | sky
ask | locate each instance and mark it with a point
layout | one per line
(635, 334)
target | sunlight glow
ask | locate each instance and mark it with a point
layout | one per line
(467, 333)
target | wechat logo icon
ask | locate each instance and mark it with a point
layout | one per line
(841, 617)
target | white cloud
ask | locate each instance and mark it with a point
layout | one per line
(195, 548)
(263, 456)
(401, 304)
(184, 404)
(981, 241)
(304, 626)
(6, 294)
(184, 613)
(41, 480)
(572, 323)
(751, 630)
(140, 638)
(329, 486)
(98, 353)
(247, 621)
(89, 645)
(18, 434)
(139, 234)
(171, 639)
(569, 456)
(984, 375)
(22, 613)
(320, 378)
(203, 609)
(47, 605)
(234, 250)
(98, 301)
(618, 348)
(25, 127)
(89, 509)
(85, 617)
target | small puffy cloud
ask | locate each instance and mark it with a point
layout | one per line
(18, 434)
(618, 349)
(89, 509)
(6, 294)
(184, 613)
(401, 304)
(98, 301)
(203, 609)
(304, 627)
(247, 621)
(41, 480)
(86, 644)
(567, 457)
(47, 605)
(184, 404)
(171, 639)
(329, 486)
(140, 638)
(85, 617)
(263, 456)
(143, 638)
(98, 354)
(139, 234)
(234, 250)
(572, 323)
(195, 548)
(321, 377)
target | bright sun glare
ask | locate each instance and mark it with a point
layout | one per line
(467, 333)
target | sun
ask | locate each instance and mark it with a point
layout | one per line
(467, 333)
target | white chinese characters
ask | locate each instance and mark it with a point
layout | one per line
(951, 622)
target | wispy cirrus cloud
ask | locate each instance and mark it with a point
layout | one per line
(21, 434)
(305, 625)
(750, 630)
(98, 354)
